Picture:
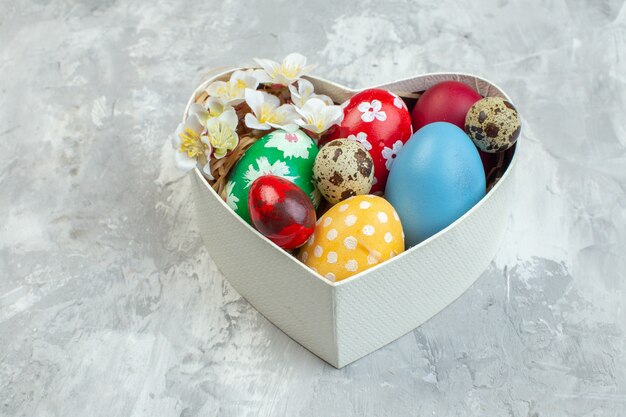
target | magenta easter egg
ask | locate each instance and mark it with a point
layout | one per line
(281, 211)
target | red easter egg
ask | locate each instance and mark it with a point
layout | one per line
(381, 122)
(281, 211)
(448, 101)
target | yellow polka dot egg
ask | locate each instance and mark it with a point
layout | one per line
(354, 235)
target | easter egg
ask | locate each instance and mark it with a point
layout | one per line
(493, 124)
(281, 211)
(447, 101)
(378, 120)
(342, 169)
(436, 178)
(285, 154)
(354, 235)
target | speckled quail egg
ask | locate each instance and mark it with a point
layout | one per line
(343, 168)
(493, 124)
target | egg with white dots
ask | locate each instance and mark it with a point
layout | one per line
(354, 235)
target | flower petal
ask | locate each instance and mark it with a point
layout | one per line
(261, 76)
(192, 122)
(255, 100)
(305, 88)
(206, 170)
(179, 129)
(220, 153)
(253, 123)
(290, 127)
(270, 67)
(295, 59)
(200, 112)
(296, 98)
(205, 139)
(271, 100)
(333, 115)
(215, 88)
(237, 75)
(234, 102)
(368, 117)
(214, 105)
(251, 82)
(327, 100)
(313, 105)
(184, 162)
(364, 106)
(229, 118)
(287, 112)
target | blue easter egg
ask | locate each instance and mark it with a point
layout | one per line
(434, 180)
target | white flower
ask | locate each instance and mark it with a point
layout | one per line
(372, 111)
(361, 137)
(278, 168)
(390, 153)
(292, 145)
(398, 102)
(231, 199)
(268, 112)
(191, 145)
(317, 117)
(232, 91)
(222, 133)
(215, 106)
(304, 92)
(292, 68)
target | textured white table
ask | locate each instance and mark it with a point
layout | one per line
(110, 306)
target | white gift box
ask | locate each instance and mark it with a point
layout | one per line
(342, 321)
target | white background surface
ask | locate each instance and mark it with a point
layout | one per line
(109, 304)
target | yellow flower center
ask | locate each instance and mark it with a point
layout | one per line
(191, 144)
(290, 71)
(241, 84)
(223, 139)
(268, 115)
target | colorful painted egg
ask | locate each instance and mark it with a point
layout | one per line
(447, 101)
(352, 236)
(281, 211)
(493, 124)
(343, 169)
(285, 154)
(437, 177)
(378, 120)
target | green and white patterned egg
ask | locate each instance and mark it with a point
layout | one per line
(290, 155)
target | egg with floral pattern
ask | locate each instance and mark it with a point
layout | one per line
(354, 235)
(380, 121)
(289, 155)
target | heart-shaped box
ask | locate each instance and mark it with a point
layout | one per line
(342, 321)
